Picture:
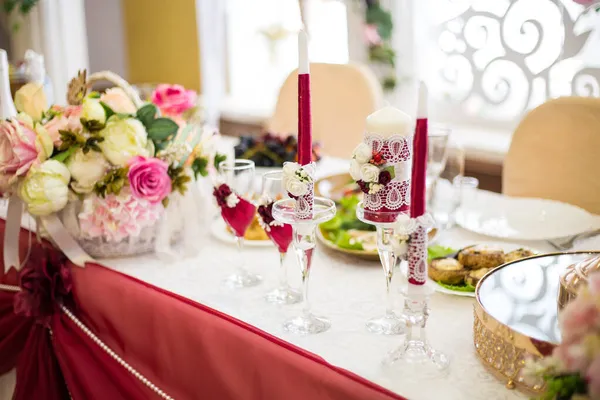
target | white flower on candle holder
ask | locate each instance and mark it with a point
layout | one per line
(355, 170)
(362, 153)
(369, 173)
(296, 179)
(232, 200)
(405, 225)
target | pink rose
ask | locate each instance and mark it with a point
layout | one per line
(372, 35)
(173, 100)
(116, 99)
(149, 179)
(579, 318)
(20, 149)
(67, 120)
(585, 2)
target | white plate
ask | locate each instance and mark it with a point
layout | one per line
(506, 247)
(218, 229)
(515, 218)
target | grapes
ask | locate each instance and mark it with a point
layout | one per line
(271, 150)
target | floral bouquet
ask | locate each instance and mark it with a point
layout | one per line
(573, 369)
(110, 166)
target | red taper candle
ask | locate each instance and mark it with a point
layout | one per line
(417, 247)
(304, 115)
(419, 166)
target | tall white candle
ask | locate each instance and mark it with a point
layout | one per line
(389, 121)
(303, 67)
(423, 100)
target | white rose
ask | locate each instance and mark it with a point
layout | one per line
(363, 153)
(405, 225)
(290, 168)
(369, 173)
(123, 139)
(92, 110)
(86, 170)
(296, 188)
(355, 170)
(45, 190)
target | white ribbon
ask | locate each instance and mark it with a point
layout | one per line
(12, 232)
(65, 241)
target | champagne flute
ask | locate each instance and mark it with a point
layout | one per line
(239, 176)
(437, 154)
(280, 234)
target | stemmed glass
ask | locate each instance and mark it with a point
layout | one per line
(437, 138)
(280, 234)
(389, 323)
(239, 176)
(305, 241)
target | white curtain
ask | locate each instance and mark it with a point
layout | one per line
(56, 29)
(210, 17)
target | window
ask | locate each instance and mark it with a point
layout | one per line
(491, 61)
(262, 44)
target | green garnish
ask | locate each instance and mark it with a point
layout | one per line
(345, 241)
(458, 288)
(438, 251)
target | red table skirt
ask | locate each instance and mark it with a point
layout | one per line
(186, 349)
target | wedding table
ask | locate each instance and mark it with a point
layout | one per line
(348, 291)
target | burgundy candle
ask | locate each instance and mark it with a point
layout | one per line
(304, 115)
(417, 249)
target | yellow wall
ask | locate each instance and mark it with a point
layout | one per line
(162, 42)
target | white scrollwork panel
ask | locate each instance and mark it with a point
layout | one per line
(497, 59)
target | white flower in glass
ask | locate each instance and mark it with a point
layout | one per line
(362, 153)
(369, 173)
(355, 170)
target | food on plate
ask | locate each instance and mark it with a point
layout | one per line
(447, 270)
(518, 254)
(270, 150)
(254, 231)
(481, 256)
(461, 270)
(475, 276)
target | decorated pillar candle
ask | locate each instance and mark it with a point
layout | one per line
(381, 164)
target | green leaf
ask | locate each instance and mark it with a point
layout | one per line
(438, 251)
(146, 114)
(161, 129)
(349, 203)
(458, 288)
(333, 224)
(107, 110)
(199, 166)
(219, 158)
(382, 19)
(9, 5)
(64, 155)
(346, 241)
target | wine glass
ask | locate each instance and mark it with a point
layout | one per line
(445, 196)
(280, 234)
(239, 176)
(437, 153)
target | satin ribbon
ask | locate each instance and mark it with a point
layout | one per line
(11, 233)
(65, 241)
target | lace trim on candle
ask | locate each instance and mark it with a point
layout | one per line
(393, 196)
(395, 148)
(304, 204)
(417, 255)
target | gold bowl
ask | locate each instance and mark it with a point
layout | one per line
(516, 315)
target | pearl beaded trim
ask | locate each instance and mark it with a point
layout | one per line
(114, 355)
(103, 346)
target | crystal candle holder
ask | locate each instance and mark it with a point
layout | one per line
(304, 242)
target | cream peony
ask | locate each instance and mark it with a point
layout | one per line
(362, 153)
(31, 100)
(45, 190)
(296, 187)
(123, 139)
(369, 173)
(86, 170)
(355, 170)
(92, 110)
(116, 99)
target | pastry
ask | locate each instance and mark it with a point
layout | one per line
(518, 254)
(447, 270)
(475, 276)
(481, 256)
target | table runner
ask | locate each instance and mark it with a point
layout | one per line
(187, 349)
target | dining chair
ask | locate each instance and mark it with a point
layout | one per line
(554, 154)
(342, 96)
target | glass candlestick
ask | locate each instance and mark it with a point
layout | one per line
(304, 242)
(389, 323)
(416, 354)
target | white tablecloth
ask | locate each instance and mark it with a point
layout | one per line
(346, 290)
